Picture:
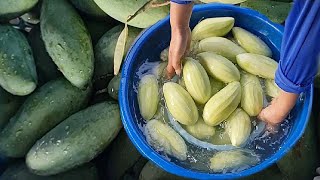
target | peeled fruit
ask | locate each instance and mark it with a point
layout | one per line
(221, 46)
(180, 103)
(222, 104)
(238, 127)
(216, 86)
(162, 137)
(232, 160)
(221, 137)
(148, 96)
(210, 27)
(259, 65)
(196, 80)
(160, 69)
(200, 130)
(272, 88)
(250, 42)
(164, 54)
(252, 94)
(219, 67)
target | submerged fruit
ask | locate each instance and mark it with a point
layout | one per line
(222, 104)
(259, 65)
(238, 126)
(200, 130)
(196, 80)
(162, 137)
(180, 103)
(148, 96)
(218, 26)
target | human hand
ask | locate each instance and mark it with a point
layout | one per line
(179, 46)
(279, 108)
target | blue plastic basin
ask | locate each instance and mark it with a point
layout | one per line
(149, 45)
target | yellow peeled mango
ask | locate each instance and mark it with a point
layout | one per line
(252, 94)
(231, 160)
(272, 88)
(162, 137)
(221, 46)
(238, 127)
(210, 27)
(259, 65)
(222, 104)
(196, 81)
(250, 42)
(219, 67)
(148, 96)
(200, 130)
(180, 103)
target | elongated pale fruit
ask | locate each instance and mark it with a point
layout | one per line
(180, 104)
(164, 54)
(232, 160)
(163, 137)
(221, 46)
(148, 96)
(238, 127)
(219, 67)
(210, 27)
(222, 104)
(250, 42)
(196, 80)
(252, 94)
(200, 130)
(272, 88)
(259, 65)
(216, 86)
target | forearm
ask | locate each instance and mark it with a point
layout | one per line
(180, 13)
(300, 47)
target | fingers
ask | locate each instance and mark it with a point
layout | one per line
(174, 65)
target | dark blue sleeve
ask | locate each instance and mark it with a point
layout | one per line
(182, 1)
(300, 47)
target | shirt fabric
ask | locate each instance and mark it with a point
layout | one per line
(300, 48)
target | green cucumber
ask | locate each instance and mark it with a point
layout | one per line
(17, 69)
(10, 9)
(114, 86)
(43, 110)
(75, 141)
(104, 50)
(9, 105)
(46, 68)
(19, 171)
(67, 41)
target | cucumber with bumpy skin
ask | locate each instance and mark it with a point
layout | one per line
(67, 41)
(41, 111)
(17, 69)
(9, 104)
(75, 141)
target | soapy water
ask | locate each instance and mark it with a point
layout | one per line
(261, 144)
